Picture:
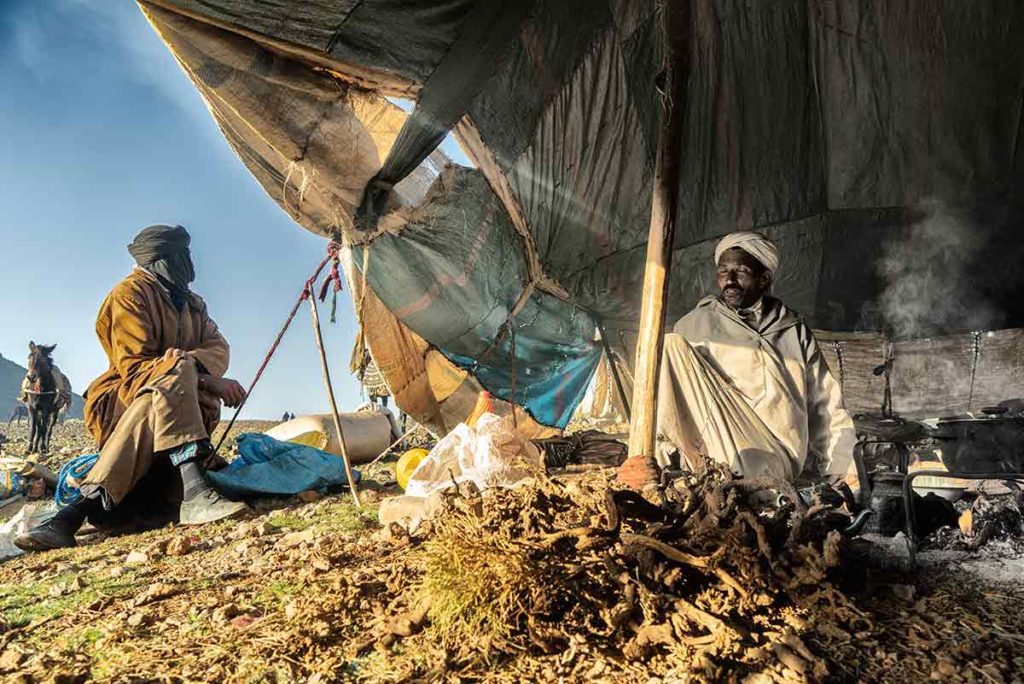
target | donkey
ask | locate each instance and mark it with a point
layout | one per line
(42, 396)
(20, 411)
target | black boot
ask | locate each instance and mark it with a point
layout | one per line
(59, 531)
(201, 503)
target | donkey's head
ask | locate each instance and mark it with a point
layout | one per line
(40, 362)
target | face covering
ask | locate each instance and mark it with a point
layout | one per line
(164, 252)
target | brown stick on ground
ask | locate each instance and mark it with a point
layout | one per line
(703, 618)
(330, 396)
(678, 556)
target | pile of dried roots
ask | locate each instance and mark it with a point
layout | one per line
(719, 577)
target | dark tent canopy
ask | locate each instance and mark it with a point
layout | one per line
(878, 141)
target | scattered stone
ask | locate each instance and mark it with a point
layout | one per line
(406, 509)
(157, 592)
(309, 496)
(137, 558)
(100, 603)
(179, 546)
(261, 528)
(11, 659)
(242, 621)
(393, 533)
(116, 571)
(225, 613)
(370, 496)
(71, 586)
(291, 610)
(136, 619)
(293, 539)
(156, 549)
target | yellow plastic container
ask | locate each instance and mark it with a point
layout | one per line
(313, 438)
(407, 464)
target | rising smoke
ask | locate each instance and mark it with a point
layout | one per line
(926, 274)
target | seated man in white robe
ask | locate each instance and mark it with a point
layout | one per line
(743, 381)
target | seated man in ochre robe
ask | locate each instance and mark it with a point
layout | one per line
(161, 396)
(743, 381)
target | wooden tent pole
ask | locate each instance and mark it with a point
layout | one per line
(674, 30)
(352, 485)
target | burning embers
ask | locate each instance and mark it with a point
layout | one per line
(933, 479)
(982, 518)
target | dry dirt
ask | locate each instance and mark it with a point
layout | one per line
(318, 592)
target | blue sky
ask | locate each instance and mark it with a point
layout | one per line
(103, 134)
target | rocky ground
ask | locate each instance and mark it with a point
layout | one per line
(70, 439)
(317, 591)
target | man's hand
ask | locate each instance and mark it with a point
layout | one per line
(173, 353)
(225, 389)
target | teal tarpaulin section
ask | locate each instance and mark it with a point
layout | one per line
(454, 275)
(268, 466)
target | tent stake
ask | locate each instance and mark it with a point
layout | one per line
(352, 485)
(674, 30)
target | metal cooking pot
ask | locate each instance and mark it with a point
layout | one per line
(888, 428)
(992, 444)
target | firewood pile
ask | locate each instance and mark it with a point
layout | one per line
(717, 579)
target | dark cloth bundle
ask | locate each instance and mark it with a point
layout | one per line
(589, 447)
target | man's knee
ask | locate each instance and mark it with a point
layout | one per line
(181, 378)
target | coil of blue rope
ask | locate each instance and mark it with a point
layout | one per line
(76, 468)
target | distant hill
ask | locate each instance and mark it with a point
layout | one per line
(10, 382)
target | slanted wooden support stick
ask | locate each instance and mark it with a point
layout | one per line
(674, 31)
(613, 366)
(330, 396)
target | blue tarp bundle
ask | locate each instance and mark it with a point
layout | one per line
(268, 466)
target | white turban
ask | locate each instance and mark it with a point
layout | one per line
(754, 244)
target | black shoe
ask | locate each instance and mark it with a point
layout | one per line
(59, 531)
(55, 533)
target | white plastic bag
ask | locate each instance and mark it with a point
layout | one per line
(30, 515)
(502, 456)
(444, 462)
(494, 454)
